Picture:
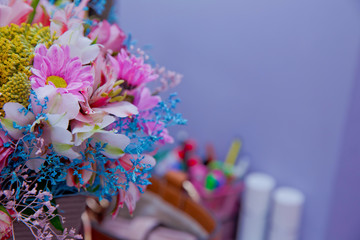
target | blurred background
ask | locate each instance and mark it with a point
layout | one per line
(284, 76)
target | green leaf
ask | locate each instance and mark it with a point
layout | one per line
(34, 4)
(56, 222)
(93, 188)
(94, 41)
(3, 209)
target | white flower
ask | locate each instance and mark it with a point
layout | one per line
(80, 46)
(115, 143)
(53, 124)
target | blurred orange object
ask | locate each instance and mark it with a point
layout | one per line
(224, 203)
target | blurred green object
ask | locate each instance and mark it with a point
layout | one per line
(211, 182)
(216, 165)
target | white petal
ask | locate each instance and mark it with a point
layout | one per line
(66, 150)
(12, 112)
(119, 109)
(47, 91)
(58, 120)
(62, 142)
(81, 137)
(90, 53)
(68, 38)
(80, 127)
(84, 131)
(12, 115)
(107, 120)
(65, 103)
(116, 143)
(148, 160)
(80, 46)
(61, 135)
(8, 126)
(35, 163)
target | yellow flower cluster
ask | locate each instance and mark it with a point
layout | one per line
(17, 45)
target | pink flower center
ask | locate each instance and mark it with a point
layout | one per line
(59, 82)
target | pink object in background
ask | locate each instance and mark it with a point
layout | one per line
(197, 174)
(224, 203)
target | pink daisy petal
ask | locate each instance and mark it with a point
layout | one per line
(37, 61)
(54, 67)
(38, 73)
(133, 70)
(57, 55)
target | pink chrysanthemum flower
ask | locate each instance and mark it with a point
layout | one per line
(54, 67)
(133, 70)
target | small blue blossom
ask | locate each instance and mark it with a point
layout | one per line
(98, 5)
(112, 17)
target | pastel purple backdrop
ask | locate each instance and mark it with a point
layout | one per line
(285, 76)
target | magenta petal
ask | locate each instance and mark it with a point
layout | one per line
(87, 79)
(74, 66)
(45, 70)
(37, 82)
(134, 70)
(38, 59)
(116, 39)
(74, 85)
(38, 73)
(145, 101)
(41, 49)
(56, 55)
(48, 66)
(102, 32)
(85, 69)
(66, 50)
(55, 61)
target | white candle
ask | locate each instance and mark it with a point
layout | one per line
(258, 187)
(286, 214)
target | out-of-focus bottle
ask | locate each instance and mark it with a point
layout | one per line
(286, 214)
(252, 224)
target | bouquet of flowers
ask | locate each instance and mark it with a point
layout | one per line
(77, 115)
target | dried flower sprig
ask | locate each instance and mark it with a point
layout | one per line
(33, 208)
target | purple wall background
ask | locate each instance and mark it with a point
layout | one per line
(281, 74)
(345, 209)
